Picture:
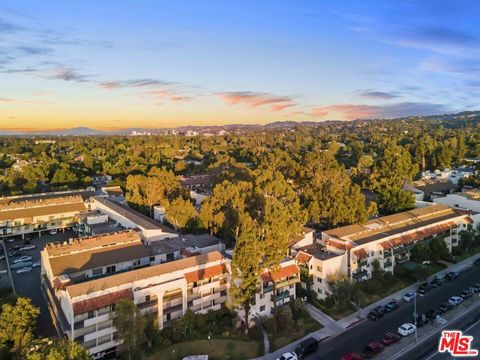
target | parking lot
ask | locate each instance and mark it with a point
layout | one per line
(28, 284)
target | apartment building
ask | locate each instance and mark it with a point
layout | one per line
(352, 250)
(83, 278)
(130, 219)
(275, 289)
(36, 214)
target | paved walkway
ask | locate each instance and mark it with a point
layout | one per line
(334, 328)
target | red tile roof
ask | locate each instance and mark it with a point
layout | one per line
(281, 273)
(360, 254)
(303, 257)
(98, 302)
(417, 235)
(206, 273)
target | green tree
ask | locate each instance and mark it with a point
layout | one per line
(16, 327)
(421, 252)
(130, 325)
(180, 213)
(438, 249)
(61, 349)
(245, 265)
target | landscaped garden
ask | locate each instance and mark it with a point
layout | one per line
(213, 334)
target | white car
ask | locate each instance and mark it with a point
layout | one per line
(288, 356)
(22, 259)
(455, 300)
(24, 270)
(406, 329)
(53, 232)
(36, 264)
(28, 247)
(10, 240)
(409, 296)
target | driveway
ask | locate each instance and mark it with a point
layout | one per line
(28, 284)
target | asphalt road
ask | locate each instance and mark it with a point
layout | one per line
(28, 284)
(355, 339)
(469, 324)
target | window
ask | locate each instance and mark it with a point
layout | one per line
(136, 262)
(262, 308)
(262, 296)
(319, 291)
(152, 258)
(170, 257)
(111, 269)
(319, 269)
(147, 298)
(97, 271)
(91, 314)
(319, 280)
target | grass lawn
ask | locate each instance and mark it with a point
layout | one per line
(280, 340)
(215, 348)
(335, 312)
(398, 283)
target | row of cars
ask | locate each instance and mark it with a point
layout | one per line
(375, 347)
(22, 261)
(306, 347)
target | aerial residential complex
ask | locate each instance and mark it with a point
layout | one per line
(122, 254)
(351, 250)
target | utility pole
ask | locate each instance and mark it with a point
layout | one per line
(415, 315)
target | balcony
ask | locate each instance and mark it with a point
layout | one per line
(281, 295)
(360, 274)
(172, 309)
(387, 263)
(147, 304)
(287, 282)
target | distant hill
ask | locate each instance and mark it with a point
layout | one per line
(452, 120)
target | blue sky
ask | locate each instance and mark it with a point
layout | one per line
(110, 64)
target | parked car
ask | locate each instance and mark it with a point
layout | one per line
(477, 261)
(16, 253)
(436, 282)
(28, 247)
(422, 289)
(467, 293)
(376, 313)
(390, 338)
(372, 349)
(409, 296)
(22, 259)
(288, 356)
(306, 347)
(16, 247)
(10, 240)
(53, 232)
(24, 270)
(406, 329)
(455, 300)
(421, 320)
(36, 264)
(352, 356)
(442, 309)
(476, 287)
(2, 257)
(431, 314)
(452, 275)
(392, 305)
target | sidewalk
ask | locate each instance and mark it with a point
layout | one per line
(334, 328)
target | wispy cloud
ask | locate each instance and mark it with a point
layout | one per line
(170, 95)
(133, 83)
(2, 99)
(377, 95)
(68, 75)
(257, 99)
(440, 40)
(9, 27)
(360, 111)
(35, 50)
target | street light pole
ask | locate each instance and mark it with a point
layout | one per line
(415, 315)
